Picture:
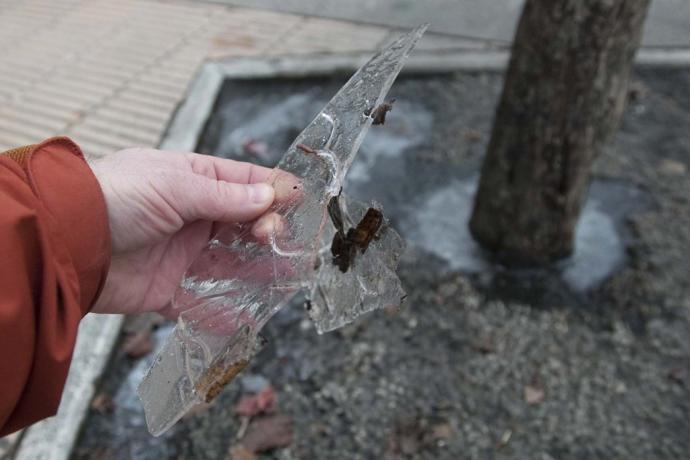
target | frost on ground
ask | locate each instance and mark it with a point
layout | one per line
(250, 271)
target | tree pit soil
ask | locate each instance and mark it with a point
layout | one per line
(471, 366)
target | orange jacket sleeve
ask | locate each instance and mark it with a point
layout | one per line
(54, 257)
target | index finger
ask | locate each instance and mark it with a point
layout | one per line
(241, 172)
(227, 170)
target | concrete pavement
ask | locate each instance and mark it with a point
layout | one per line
(110, 74)
(667, 23)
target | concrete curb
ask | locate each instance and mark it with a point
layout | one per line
(189, 120)
(190, 117)
(54, 438)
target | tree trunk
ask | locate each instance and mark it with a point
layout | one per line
(562, 100)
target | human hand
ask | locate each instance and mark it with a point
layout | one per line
(161, 209)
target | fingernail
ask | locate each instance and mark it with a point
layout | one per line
(260, 193)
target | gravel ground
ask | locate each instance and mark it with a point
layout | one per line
(485, 365)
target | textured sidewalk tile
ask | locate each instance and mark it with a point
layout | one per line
(101, 130)
(316, 35)
(115, 116)
(13, 139)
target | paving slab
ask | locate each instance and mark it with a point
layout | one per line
(667, 24)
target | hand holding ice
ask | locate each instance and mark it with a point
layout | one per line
(244, 276)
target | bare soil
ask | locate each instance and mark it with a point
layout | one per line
(488, 365)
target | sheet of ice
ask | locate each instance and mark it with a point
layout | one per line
(243, 276)
(338, 298)
(599, 246)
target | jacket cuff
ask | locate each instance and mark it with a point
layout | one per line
(63, 181)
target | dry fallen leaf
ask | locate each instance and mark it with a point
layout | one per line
(103, 403)
(239, 452)
(413, 435)
(259, 403)
(255, 147)
(269, 432)
(405, 440)
(442, 431)
(484, 346)
(677, 375)
(439, 434)
(138, 344)
(93, 453)
(534, 394)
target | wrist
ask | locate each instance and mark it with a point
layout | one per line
(62, 180)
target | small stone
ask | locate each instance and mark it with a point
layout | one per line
(472, 135)
(672, 167)
(441, 433)
(505, 438)
(533, 394)
(305, 325)
(254, 383)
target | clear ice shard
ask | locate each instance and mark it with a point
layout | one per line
(248, 272)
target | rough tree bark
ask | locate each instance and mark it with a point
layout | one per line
(562, 100)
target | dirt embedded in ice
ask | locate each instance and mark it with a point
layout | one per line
(339, 297)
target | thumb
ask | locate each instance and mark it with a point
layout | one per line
(215, 200)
